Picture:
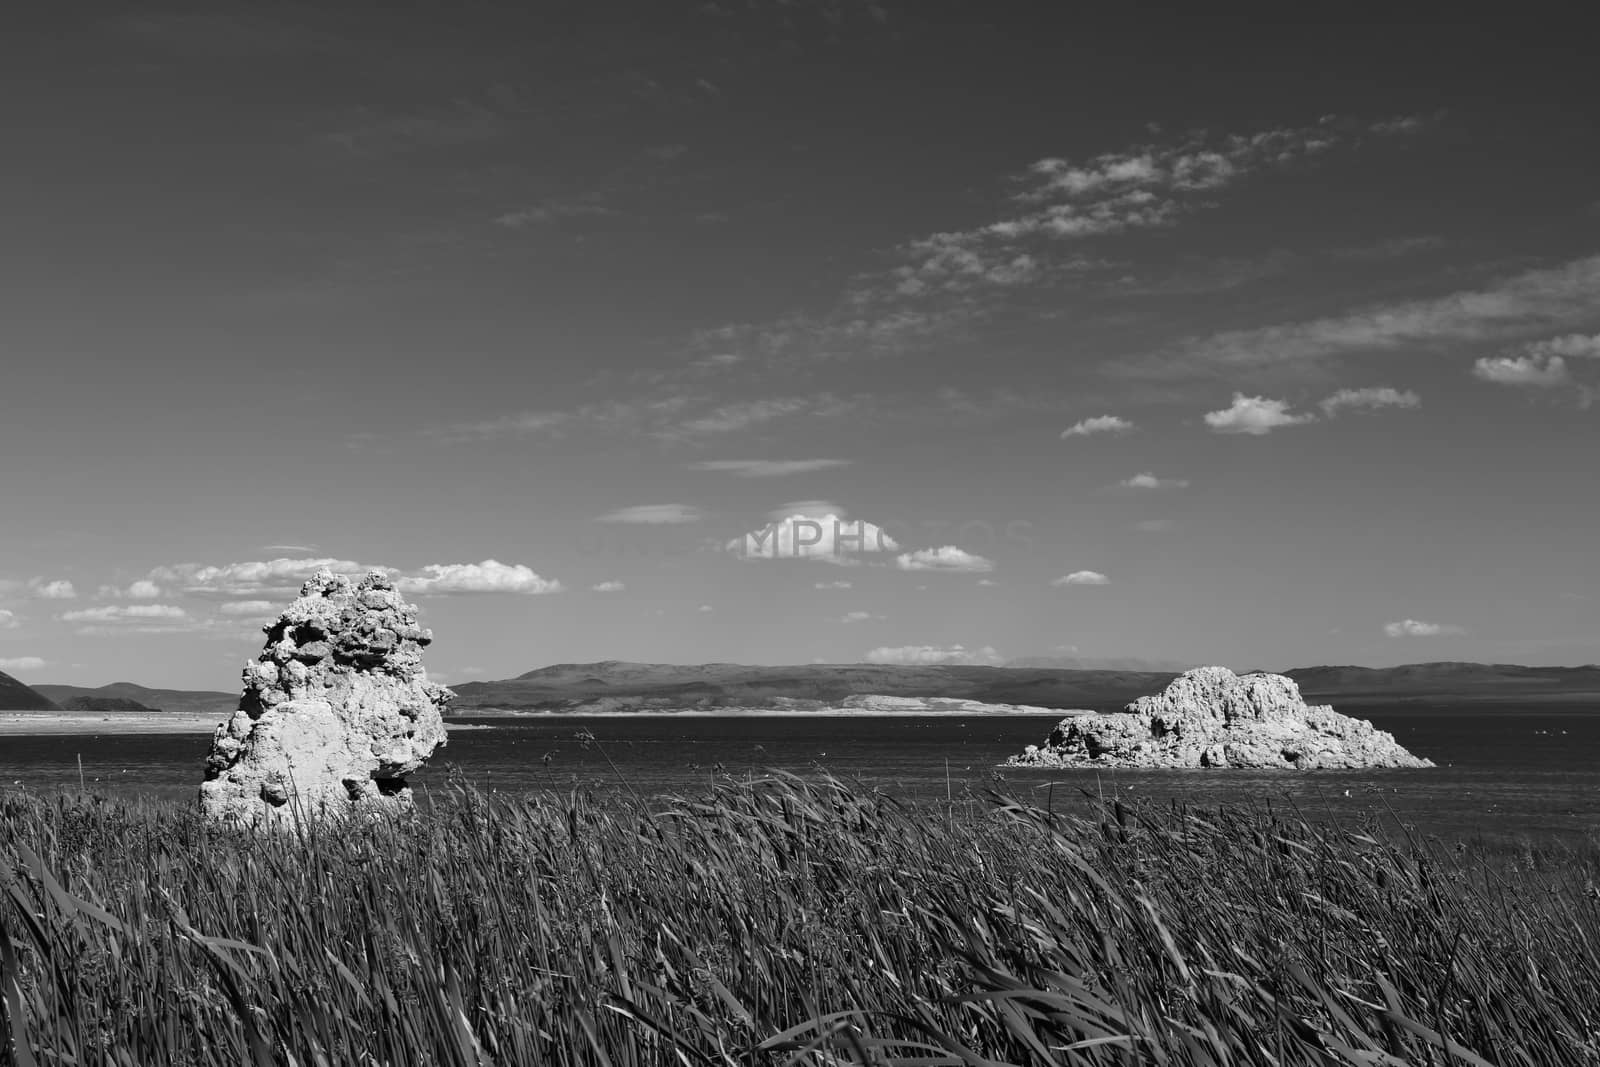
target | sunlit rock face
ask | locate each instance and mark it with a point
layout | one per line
(1211, 717)
(336, 711)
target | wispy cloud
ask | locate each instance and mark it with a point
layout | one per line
(947, 558)
(608, 587)
(769, 468)
(1146, 480)
(653, 515)
(858, 616)
(833, 585)
(8, 620)
(555, 209)
(1098, 424)
(490, 576)
(248, 608)
(1370, 399)
(126, 613)
(1081, 578)
(22, 663)
(922, 655)
(1533, 302)
(1254, 415)
(1419, 628)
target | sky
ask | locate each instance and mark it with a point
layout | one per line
(790, 332)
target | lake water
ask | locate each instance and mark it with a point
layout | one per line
(1503, 776)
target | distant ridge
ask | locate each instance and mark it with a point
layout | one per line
(14, 696)
(616, 685)
(172, 701)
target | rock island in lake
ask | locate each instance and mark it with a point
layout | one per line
(1211, 717)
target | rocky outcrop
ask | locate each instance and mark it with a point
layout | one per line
(336, 711)
(1211, 717)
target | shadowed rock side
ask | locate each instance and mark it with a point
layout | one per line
(336, 710)
(1211, 717)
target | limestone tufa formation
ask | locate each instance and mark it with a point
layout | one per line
(1211, 717)
(336, 710)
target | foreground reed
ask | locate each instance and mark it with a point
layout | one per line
(782, 921)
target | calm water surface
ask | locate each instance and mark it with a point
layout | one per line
(1503, 776)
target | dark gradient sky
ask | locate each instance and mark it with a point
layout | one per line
(426, 286)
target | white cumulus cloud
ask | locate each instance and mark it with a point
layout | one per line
(1082, 578)
(8, 620)
(935, 654)
(490, 576)
(1536, 371)
(21, 663)
(1419, 628)
(653, 515)
(1573, 345)
(1146, 480)
(1254, 415)
(608, 587)
(53, 589)
(828, 538)
(281, 577)
(1098, 424)
(1369, 399)
(946, 558)
(857, 616)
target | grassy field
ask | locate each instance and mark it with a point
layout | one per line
(785, 921)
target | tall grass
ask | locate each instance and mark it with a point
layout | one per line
(783, 921)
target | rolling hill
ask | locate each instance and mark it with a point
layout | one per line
(613, 685)
(14, 696)
(173, 701)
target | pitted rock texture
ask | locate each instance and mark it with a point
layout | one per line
(1211, 717)
(336, 710)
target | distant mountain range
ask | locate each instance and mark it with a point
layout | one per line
(618, 686)
(172, 701)
(14, 696)
(615, 685)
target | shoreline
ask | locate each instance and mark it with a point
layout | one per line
(77, 724)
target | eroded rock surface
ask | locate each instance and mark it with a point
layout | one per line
(336, 710)
(1211, 717)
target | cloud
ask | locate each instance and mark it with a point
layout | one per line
(915, 655)
(1532, 302)
(490, 576)
(555, 209)
(1576, 346)
(248, 607)
(1146, 480)
(53, 589)
(1141, 187)
(1081, 578)
(826, 538)
(987, 582)
(1098, 424)
(1369, 399)
(608, 587)
(8, 620)
(126, 612)
(705, 608)
(858, 616)
(769, 468)
(1539, 372)
(1419, 628)
(1254, 415)
(653, 515)
(947, 558)
(280, 577)
(833, 585)
(22, 663)
(144, 589)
